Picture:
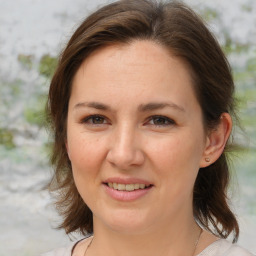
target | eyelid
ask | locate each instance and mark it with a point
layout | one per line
(85, 120)
(169, 120)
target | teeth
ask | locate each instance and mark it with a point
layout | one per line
(129, 187)
(142, 186)
(126, 187)
(121, 186)
(136, 186)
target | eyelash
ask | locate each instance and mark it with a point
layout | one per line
(89, 119)
(167, 121)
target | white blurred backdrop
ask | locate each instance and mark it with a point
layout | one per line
(32, 33)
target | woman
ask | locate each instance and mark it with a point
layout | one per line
(141, 105)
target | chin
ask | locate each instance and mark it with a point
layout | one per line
(128, 221)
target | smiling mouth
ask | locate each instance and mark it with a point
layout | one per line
(127, 187)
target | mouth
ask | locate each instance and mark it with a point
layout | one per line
(127, 187)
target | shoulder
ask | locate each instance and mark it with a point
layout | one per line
(223, 247)
(68, 251)
(64, 251)
(235, 250)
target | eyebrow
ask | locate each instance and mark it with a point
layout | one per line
(96, 105)
(159, 105)
(142, 107)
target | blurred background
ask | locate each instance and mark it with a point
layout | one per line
(32, 34)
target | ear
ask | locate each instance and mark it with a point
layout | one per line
(216, 141)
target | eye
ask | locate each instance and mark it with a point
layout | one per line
(160, 121)
(94, 119)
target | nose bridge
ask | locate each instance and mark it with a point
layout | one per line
(125, 149)
(125, 136)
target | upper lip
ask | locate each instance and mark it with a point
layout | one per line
(127, 181)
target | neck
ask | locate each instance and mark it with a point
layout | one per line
(173, 238)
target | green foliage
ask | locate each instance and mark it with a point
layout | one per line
(6, 138)
(15, 87)
(247, 106)
(48, 148)
(26, 60)
(251, 66)
(245, 77)
(230, 46)
(34, 113)
(34, 116)
(246, 97)
(47, 65)
(246, 8)
(209, 14)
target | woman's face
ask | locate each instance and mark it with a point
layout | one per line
(134, 123)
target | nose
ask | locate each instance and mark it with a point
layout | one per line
(125, 150)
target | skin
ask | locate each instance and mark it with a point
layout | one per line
(123, 136)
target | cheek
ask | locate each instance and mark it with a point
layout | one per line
(85, 154)
(178, 156)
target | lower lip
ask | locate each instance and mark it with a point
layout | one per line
(126, 195)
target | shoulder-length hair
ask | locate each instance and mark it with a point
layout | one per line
(179, 29)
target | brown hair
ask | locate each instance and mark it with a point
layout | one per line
(176, 27)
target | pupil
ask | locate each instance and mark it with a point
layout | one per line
(98, 120)
(159, 120)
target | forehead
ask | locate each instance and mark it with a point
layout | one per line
(146, 52)
(141, 69)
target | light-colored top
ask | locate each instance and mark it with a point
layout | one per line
(220, 247)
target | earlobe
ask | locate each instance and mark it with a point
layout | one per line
(216, 141)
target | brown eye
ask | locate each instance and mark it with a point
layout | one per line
(94, 119)
(161, 121)
(97, 120)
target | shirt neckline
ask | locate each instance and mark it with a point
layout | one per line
(200, 254)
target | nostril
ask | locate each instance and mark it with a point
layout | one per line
(124, 158)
